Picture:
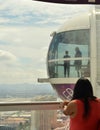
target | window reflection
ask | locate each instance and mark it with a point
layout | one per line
(76, 43)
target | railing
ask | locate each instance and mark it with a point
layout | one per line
(56, 68)
(32, 116)
(30, 106)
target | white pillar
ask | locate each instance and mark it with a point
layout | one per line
(93, 57)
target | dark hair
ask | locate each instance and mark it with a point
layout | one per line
(83, 90)
(66, 52)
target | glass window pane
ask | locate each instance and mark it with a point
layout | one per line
(76, 62)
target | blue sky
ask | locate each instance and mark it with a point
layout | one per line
(25, 28)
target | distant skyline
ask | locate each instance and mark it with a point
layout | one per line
(25, 28)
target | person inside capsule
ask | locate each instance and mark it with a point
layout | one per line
(78, 63)
(66, 64)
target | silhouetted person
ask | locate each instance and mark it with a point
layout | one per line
(66, 64)
(78, 63)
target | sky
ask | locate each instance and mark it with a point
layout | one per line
(25, 28)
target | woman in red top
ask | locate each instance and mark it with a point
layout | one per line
(84, 108)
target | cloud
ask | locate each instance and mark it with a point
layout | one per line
(6, 56)
(25, 58)
(28, 12)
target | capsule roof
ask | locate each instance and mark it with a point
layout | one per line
(77, 22)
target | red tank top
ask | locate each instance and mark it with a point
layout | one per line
(91, 123)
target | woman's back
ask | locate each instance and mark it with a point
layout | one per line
(91, 122)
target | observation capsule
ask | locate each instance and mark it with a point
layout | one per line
(74, 52)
